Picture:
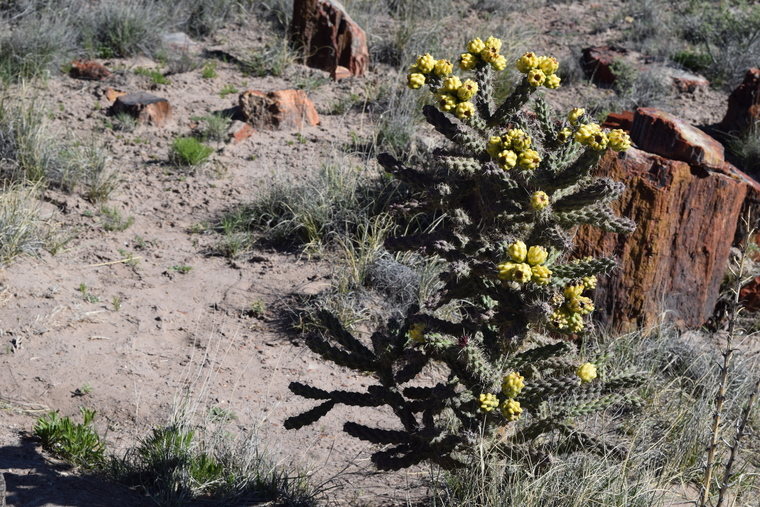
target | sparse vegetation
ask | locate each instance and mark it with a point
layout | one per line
(746, 147)
(114, 221)
(156, 76)
(77, 443)
(212, 127)
(189, 152)
(22, 229)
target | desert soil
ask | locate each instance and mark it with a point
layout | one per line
(191, 336)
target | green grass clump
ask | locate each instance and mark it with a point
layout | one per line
(22, 230)
(116, 28)
(156, 77)
(77, 443)
(746, 147)
(189, 152)
(209, 71)
(212, 127)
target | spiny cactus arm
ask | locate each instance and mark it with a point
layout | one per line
(406, 174)
(578, 170)
(556, 365)
(512, 104)
(624, 381)
(309, 417)
(535, 354)
(601, 190)
(583, 268)
(538, 390)
(460, 166)
(582, 408)
(336, 355)
(377, 435)
(602, 217)
(484, 98)
(345, 338)
(545, 121)
(458, 134)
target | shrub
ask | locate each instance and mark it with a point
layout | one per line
(36, 46)
(188, 152)
(508, 190)
(22, 230)
(746, 147)
(122, 28)
(212, 127)
(77, 443)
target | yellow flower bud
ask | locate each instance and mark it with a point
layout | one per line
(517, 139)
(467, 61)
(598, 141)
(475, 46)
(443, 68)
(505, 270)
(451, 84)
(499, 63)
(507, 159)
(526, 62)
(468, 90)
(488, 402)
(446, 102)
(586, 372)
(589, 282)
(573, 291)
(494, 146)
(493, 43)
(522, 273)
(517, 251)
(548, 64)
(511, 410)
(541, 275)
(618, 140)
(539, 200)
(529, 159)
(465, 110)
(552, 82)
(415, 80)
(536, 77)
(564, 135)
(575, 323)
(426, 63)
(416, 332)
(512, 385)
(537, 255)
(575, 115)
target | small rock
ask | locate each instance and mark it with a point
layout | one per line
(239, 131)
(623, 121)
(280, 110)
(340, 72)
(686, 82)
(743, 104)
(88, 69)
(597, 61)
(664, 134)
(146, 108)
(113, 94)
(329, 37)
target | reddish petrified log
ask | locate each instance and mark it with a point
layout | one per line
(146, 108)
(329, 37)
(281, 109)
(89, 69)
(673, 264)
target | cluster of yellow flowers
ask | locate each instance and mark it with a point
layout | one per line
(511, 410)
(539, 70)
(481, 53)
(513, 148)
(592, 135)
(427, 65)
(526, 264)
(539, 200)
(488, 402)
(454, 96)
(586, 372)
(569, 316)
(512, 385)
(416, 333)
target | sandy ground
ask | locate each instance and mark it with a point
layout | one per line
(188, 336)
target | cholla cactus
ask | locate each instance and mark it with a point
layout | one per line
(507, 188)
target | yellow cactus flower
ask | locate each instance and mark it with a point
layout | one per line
(527, 62)
(443, 68)
(446, 102)
(416, 332)
(589, 282)
(586, 133)
(541, 275)
(529, 159)
(559, 319)
(552, 82)
(618, 140)
(499, 63)
(522, 273)
(598, 141)
(516, 139)
(489, 55)
(548, 64)
(564, 135)
(488, 402)
(494, 146)
(465, 110)
(507, 159)
(586, 372)
(475, 46)
(536, 255)
(517, 251)
(450, 85)
(415, 80)
(426, 63)
(536, 77)
(493, 43)
(467, 61)
(575, 115)
(512, 385)
(468, 90)
(580, 304)
(511, 410)
(505, 270)
(573, 291)
(575, 323)
(539, 200)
